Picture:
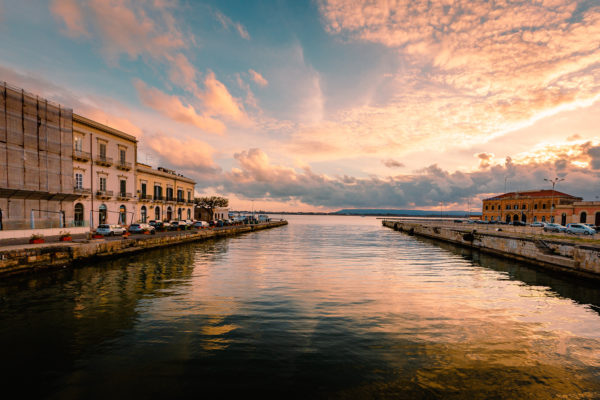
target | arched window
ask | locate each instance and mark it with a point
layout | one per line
(122, 215)
(544, 206)
(543, 218)
(516, 206)
(535, 206)
(169, 213)
(523, 218)
(515, 217)
(583, 217)
(78, 214)
(597, 221)
(157, 213)
(563, 219)
(102, 214)
(507, 219)
(143, 213)
(535, 219)
(189, 214)
(179, 213)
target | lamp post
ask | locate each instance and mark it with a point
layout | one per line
(553, 182)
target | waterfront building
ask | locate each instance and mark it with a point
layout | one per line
(211, 214)
(163, 194)
(585, 212)
(103, 173)
(527, 206)
(36, 166)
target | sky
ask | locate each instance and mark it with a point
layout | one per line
(328, 104)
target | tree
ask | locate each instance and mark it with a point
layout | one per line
(211, 202)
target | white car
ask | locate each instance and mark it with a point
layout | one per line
(538, 224)
(201, 224)
(580, 228)
(110, 230)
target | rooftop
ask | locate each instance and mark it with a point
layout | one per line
(534, 193)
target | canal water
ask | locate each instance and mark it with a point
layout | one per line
(326, 307)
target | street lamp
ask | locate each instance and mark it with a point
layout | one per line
(553, 182)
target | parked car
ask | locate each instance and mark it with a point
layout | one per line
(142, 228)
(517, 223)
(550, 227)
(538, 224)
(580, 229)
(480, 221)
(458, 221)
(594, 227)
(110, 230)
(200, 225)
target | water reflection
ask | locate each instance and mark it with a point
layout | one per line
(334, 307)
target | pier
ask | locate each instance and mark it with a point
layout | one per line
(572, 255)
(19, 259)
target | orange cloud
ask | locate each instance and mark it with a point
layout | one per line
(172, 107)
(258, 78)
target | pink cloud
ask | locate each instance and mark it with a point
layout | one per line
(172, 107)
(71, 14)
(218, 101)
(258, 78)
(186, 153)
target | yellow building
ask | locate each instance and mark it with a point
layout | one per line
(528, 206)
(163, 195)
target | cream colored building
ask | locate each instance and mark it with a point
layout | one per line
(103, 173)
(163, 194)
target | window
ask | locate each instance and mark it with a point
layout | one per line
(524, 207)
(122, 153)
(535, 219)
(102, 184)
(189, 197)
(583, 217)
(78, 214)
(544, 218)
(179, 214)
(157, 192)
(102, 150)
(143, 189)
(535, 206)
(516, 207)
(508, 206)
(157, 213)
(78, 144)
(143, 214)
(123, 187)
(169, 193)
(102, 214)
(492, 208)
(486, 207)
(179, 195)
(544, 206)
(78, 180)
(189, 214)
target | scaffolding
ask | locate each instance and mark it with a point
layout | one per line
(36, 158)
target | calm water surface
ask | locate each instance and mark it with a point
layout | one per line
(326, 307)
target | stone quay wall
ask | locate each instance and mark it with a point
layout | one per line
(580, 259)
(29, 258)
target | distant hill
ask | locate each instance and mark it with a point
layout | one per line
(410, 213)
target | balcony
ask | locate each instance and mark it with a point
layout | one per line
(104, 194)
(170, 200)
(104, 161)
(124, 196)
(124, 165)
(82, 191)
(145, 197)
(180, 201)
(83, 156)
(189, 202)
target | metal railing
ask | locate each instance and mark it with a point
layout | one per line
(81, 190)
(124, 165)
(104, 193)
(124, 195)
(145, 197)
(103, 160)
(82, 155)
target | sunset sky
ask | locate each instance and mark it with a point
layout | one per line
(328, 104)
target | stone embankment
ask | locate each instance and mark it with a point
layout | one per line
(574, 256)
(28, 258)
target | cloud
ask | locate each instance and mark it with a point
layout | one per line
(227, 23)
(257, 78)
(485, 159)
(469, 70)
(71, 14)
(256, 177)
(186, 153)
(218, 101)
(172, 107)
(390, 163)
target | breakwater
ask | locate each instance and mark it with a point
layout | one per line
(576, 258)
(29, 258)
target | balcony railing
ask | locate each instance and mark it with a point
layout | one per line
(159, 198)
(145, 197)
(82, 191)
(80, 155)
(104, 194)
(124, 165)
(181, 201)
(103, 160)
(123, 196)
(170, 200)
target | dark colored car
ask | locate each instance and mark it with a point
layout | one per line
(517, 223)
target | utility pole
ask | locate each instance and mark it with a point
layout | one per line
(553, 182)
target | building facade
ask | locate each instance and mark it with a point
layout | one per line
(103, 173)
(36, 166)
(528, 206)
(585, 212)
(163, 194)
